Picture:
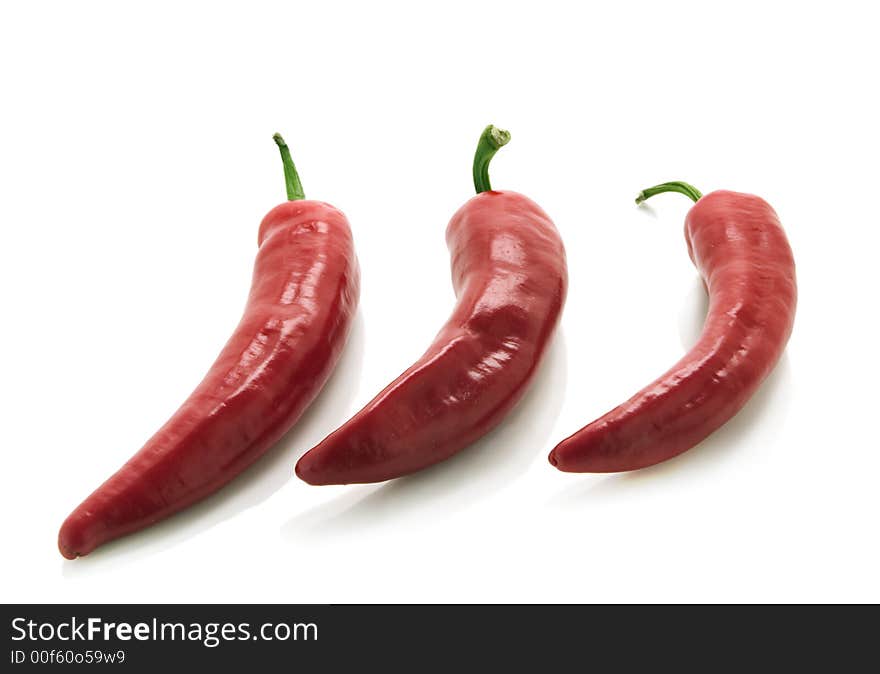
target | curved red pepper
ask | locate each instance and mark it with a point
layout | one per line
(509, 273)
(297, 319)
(738, 245)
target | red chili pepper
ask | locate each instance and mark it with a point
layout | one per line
(509, 273)
(297, 319)
(740, 249)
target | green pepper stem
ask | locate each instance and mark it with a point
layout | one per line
(291, 177)
(675, 186)
(491, 141)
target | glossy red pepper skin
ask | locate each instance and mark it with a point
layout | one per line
(738, 245)
(302, 300)
(510, 277)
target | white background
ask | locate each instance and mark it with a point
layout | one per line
(136, 162)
